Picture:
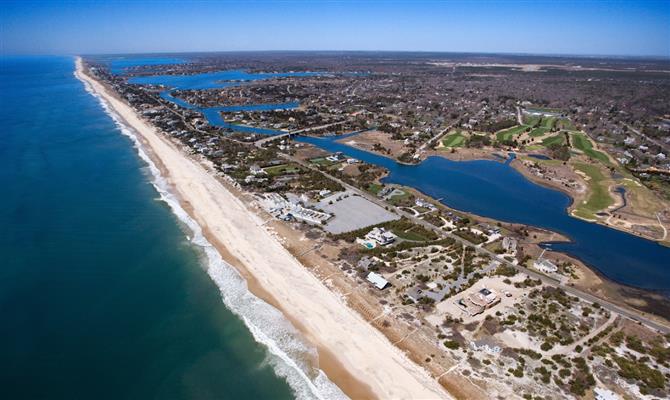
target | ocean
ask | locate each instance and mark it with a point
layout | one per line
(107, 289)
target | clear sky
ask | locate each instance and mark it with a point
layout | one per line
(521, 26)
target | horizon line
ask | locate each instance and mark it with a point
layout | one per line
(501, 53)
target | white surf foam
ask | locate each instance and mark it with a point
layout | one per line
(287, 353)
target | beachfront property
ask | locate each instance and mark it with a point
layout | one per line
(377, 280)
(288, 210)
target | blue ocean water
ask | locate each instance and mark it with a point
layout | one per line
(104, 292)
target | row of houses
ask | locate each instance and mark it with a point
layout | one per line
(286, 210)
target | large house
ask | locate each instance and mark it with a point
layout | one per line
(381, 236)
(483, 299)
(546, 266)
(377, 280)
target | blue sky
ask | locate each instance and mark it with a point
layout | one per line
(558, 27)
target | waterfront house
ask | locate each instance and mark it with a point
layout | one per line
(546, 266)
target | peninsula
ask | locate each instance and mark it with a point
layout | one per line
(314, 192)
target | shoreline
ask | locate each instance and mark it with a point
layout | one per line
(348, 347)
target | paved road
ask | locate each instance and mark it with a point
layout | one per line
(632, 315)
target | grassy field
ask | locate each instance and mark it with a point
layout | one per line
(282, 169)
(548, 122)
(539, 131)
(398, 198)
(565, 123)
(532, 120)
(599, 197)
(374, 188)
(581, 142)
(508, 134)
(556, 139)
(454, 140)
(321, 161)
(409, 235)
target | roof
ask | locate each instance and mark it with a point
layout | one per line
(377, 280)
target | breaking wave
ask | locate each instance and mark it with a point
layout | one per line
(287, 354)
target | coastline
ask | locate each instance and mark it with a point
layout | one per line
(349, 349)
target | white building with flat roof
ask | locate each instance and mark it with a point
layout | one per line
(377, 280)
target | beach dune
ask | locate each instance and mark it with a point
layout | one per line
(353, 354)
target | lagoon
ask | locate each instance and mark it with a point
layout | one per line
(488, 188)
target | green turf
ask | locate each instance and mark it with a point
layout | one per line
(321, 161)
(453, 140)
(374, 188)
(556, 139)
(506, 135)
(599, 197)
(282, 169)
(565, 123)
(581, 142)
(409, 236)
(537, 132)
(548, 122)
(531, 120)
(398, 198)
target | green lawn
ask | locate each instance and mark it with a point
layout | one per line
(453, 140)
(565, 123)
(508, 134)
(539, 131)
(410, 235)
(282, 169)
(374, 188)
(548, 122)
(581, 142)
(531, 120)
(321, 161)
(556, 139)
(398, 198)
(599, 197)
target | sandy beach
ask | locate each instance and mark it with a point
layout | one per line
(354, 355)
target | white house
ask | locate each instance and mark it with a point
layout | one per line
(377, 280)
(546, 266)
(381, 236)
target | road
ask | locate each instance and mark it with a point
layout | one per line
(430, 141)
(585, 296)
(661, 144)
